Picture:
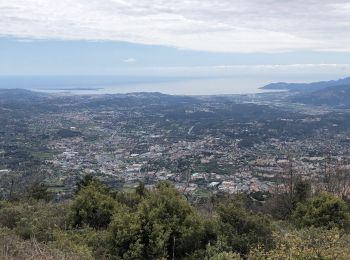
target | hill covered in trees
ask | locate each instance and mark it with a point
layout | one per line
(336, 96)
(333, 93)
(99, 223)
(307, 87)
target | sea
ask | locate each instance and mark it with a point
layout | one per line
(129, 84)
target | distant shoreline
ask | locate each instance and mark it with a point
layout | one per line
(122, 85)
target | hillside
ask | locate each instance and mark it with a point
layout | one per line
(8, 96)
(337, 96)
(307, 87)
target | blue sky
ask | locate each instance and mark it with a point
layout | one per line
(272, 40)
(83, 57)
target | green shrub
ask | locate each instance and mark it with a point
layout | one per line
(322, 210)
(92, 206)
(244, 230)
(309, 243)
(163, 225)
(33, 218)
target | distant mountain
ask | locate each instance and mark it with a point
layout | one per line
(336, 96)
(307, 87)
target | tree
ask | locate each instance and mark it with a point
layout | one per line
(322, 210)
(93, 206)
(164, 226)
(86, 181)
(336, 178)
(282, 205)
(302, 191)
(244, 230)
(141, 189)
(39, 191)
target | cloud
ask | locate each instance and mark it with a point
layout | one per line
(261, 69)
(204, 25)
(130, 60)
(273, 67)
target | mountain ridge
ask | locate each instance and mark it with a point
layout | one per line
(306, 87)
(335, 96)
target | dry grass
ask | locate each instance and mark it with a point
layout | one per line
(14, 248)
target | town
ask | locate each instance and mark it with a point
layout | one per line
(203, 144)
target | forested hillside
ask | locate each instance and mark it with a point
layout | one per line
(337, 96)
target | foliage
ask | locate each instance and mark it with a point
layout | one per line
(92, 206)
(14, 247)
(163, 225)
(39, 191)
(310, 243)
(132, 199)
(86, 181)
(218, 251)
(282, 205)
(302, 190)
(323, 210)
(226, 256)
(141, 189)
(160, 224)
(244, 230)
(87, 242)
(33, 219)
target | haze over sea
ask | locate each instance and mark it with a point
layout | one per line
(198, 85)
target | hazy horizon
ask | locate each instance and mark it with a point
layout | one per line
(108, 84)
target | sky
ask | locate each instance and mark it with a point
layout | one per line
(269, 40)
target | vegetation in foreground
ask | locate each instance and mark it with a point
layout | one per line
(98, 223)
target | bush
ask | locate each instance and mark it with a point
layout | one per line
(282, 205)
(33, 219)
(244, 230)
(92, 206)
(86, 242)
(39, 191)
(323, 210)
(13, 247)
(226, 256)
(9, 214)
(310, 243)
(164, 224)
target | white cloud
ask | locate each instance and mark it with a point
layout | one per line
(209, 25)
(316, 68)
(130, 60)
